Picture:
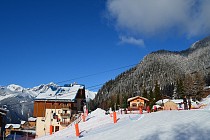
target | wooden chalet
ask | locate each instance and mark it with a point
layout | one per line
(59, 109)
(136, 102)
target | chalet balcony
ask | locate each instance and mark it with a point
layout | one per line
(65, 115)
(65, 123)
(135, 108)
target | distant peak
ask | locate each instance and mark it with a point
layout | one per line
(14, 87)
(51, 83)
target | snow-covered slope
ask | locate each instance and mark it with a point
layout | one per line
(162, 125)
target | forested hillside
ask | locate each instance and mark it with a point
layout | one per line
(161, 74)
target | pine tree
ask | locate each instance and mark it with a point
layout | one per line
(151, 98)
(157, 94)
(180, 89)
(145, 93)
(198, 84)
(207, 80)
(125, 98)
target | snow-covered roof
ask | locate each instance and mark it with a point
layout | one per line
(64, 93)
(177, 101)
(207, 87)
(22, 122)
(132, 98)
(157, 106)
(31, 119)
(13, 125)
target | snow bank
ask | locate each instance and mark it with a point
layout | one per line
(98, 112)
(206, 100)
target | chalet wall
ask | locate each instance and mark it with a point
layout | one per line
(41, 106)
(43, 123)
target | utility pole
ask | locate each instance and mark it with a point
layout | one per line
(3, 134)
(87, 102)
(27, 136)
(15, 136)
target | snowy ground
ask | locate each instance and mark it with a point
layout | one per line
(162, 125)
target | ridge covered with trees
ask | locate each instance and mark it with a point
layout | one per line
(161, 74)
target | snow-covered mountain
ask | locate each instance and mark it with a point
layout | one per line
(19, 100)
(15, 90)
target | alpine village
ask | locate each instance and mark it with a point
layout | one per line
(162, 80)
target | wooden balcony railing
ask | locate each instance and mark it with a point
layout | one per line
(65, 114)
(65, 123)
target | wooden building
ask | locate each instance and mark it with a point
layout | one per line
(32, 122)
(11, 127)
(170, 105)
(58, 110)
(136, 102)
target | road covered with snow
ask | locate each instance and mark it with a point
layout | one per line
(162, 125)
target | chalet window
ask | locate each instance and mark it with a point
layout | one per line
(56, 128)
(64, 111)
(134, 104)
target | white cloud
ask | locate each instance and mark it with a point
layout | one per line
(131, 40)
(155, 17)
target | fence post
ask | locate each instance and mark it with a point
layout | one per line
(77, 129)
(83, 117)
(87, 112)
(51, 129)
(115, 117)
(140, 110)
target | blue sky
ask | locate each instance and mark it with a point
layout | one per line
(53, 41)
